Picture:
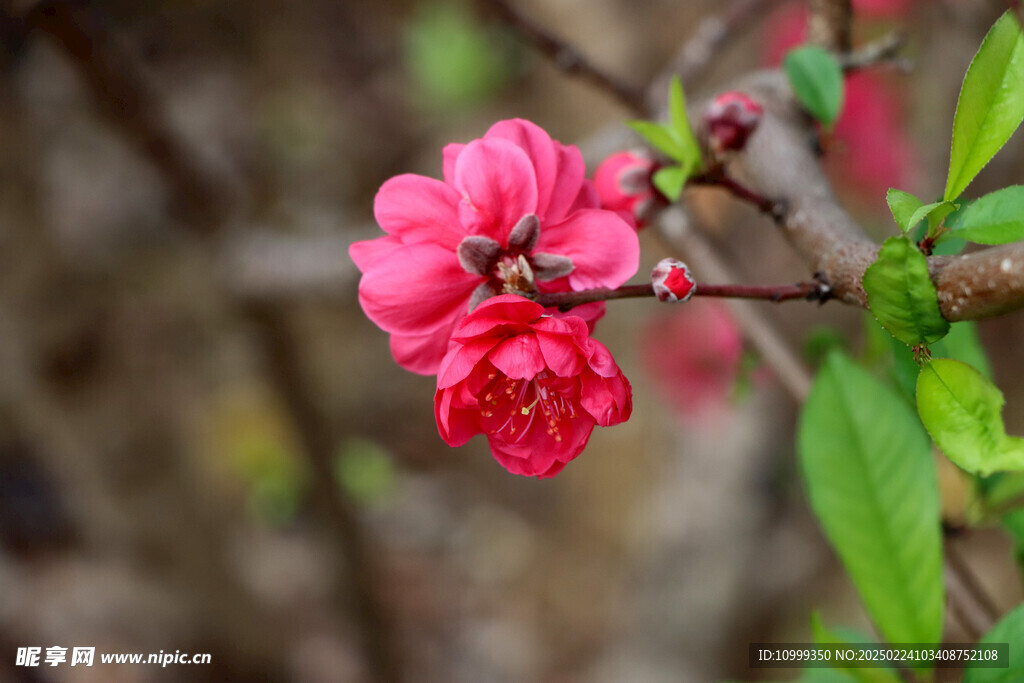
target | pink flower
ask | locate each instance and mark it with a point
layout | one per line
(535, 385)
(693, 355)
(513, 214)
(623, 183)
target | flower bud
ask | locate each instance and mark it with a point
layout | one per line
(731, 118)
(623, 183)
(672, 281)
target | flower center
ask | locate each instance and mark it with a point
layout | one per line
(514, 269)
(513, 407)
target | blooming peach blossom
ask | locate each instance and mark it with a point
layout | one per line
(534, 384)
(514, 213)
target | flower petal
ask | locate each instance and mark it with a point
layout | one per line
(461, 359)
(422, 354)
(541, 150)
(604, 249)
(415, 208)
(608, 399)
(571, 190)
(496, 312)
(560, 353)
(417, 290)
(519, 357)
(449, 154)
(498, 185)
(368, 252)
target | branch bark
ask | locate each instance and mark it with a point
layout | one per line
(780, 161)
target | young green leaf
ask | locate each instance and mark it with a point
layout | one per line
(901, 294)
(934, 212)
(670, 180)
(681, 124)
(963, 413)
(1010, 629)
(660, 137)
(991, 103)
(817, 81)
(902, 205)
(962, 343)
(995, 218)
(870, 477)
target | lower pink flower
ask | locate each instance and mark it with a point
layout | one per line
(535, 385)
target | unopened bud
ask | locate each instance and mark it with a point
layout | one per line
(623, 183)
(731, 118)
(672, 281)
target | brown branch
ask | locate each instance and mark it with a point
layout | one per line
(131, 106)
(808, 291)
(778, 161)
(884, 50)
(565, 57)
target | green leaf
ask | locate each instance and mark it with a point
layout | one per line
(681, 124)
(963, 413)
(670, 180)
(962, 343)
(902, 205)
(901, 294)
(1010, 629)
(996, 218)
(660, 137)
(870, 477)
(817, 81)
(934, 212)
(991, 103)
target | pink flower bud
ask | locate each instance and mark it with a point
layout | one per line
(731, 118)
(623, 183)
(672, 281)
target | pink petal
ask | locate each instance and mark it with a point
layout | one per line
(423, 354)
(545, 155)
(519, 357)
(601, 360)
(604, 249)
(609, 400)
(571, 191)
(417, 290)
(368, 252)
(498, 311)
(455, 426)
(522, 459)
(498, 185)
(449, 154)
(461, 359)
(415, 208)
(560, 353)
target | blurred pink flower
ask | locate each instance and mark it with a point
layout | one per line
(535, 385)
(623, 183)
(871, 150)
(513, 213)
(693, 356)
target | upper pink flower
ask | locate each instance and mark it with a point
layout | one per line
(535, 385)
(623, 183)
(514, 213)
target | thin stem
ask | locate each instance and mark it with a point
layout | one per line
(565, 57)
(809, 291)
(717, 177)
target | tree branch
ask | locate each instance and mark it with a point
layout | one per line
(565, 57)
(779, 161)
(830, 24)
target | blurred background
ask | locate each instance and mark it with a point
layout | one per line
(206, 447)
